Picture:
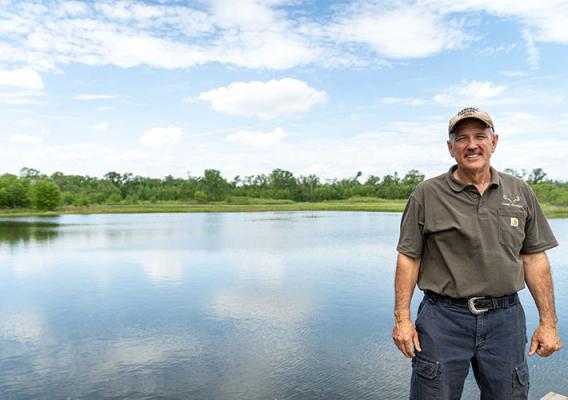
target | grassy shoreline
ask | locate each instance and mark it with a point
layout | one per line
(248, 205)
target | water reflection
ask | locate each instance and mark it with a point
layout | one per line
(162, 267)
(285, 308)
(24, 326)
(15, 232)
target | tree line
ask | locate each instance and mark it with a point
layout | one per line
(32, 189)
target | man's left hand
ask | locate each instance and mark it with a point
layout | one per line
(545, 341)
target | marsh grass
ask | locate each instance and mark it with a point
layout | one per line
(244, 204)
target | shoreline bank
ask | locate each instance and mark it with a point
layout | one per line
(355, 204)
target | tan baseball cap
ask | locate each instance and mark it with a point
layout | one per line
(470, 112)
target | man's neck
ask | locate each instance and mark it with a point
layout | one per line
(480, 179)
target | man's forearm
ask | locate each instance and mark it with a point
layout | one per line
(539, 282)
(545, 339)
(404, 332)
(405, 281)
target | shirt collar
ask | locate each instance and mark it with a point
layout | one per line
(458, 186)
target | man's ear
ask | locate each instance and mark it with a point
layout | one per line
(450, 147)
(494, 141)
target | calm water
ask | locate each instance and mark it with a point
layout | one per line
(215, 306)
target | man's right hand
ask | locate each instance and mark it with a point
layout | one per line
(405, 337)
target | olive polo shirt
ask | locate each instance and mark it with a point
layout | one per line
(471, 245)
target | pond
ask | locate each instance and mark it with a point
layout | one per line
(293, 305)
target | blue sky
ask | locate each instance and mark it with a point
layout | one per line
(322, 87)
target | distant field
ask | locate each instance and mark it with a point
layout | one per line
(245, 205)
(555, 211)
(234, 205)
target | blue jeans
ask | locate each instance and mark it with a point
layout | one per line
(452, 338)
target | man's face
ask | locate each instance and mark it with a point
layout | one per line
(472, 145)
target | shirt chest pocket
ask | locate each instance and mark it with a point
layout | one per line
(512, 227)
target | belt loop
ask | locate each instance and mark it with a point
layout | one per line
(495, 302)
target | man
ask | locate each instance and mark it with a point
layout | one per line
(470, 239)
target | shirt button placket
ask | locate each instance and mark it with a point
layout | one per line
(482, 206)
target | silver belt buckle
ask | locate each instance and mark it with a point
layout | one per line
(471, 306)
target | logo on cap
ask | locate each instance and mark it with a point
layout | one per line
(468, 111)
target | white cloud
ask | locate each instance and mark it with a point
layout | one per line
(249, 34)
(494, 50)
(470, 92)
(249, 13)
(404, 32)
(24, 122)
(514, 74)
(25, 78)
(162, 137)
(164, 36)
(96, 96)
(547, 18)
(105, 108)
(119, 10)
(129, 50)
(86, 158)
(21, 98)
(419, 144)
(257, 138)
(143, 11)
(419, 29)
(256, 49)
(22, 138)
(129, 33)
(131, 10)
(265, 100)
(102, 126)
(72, 8)
(408, 101)
(483, 94)
(533, 55)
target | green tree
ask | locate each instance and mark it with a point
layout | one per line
(412, 177)
(67, 198)
(200, 197)
(14, 191)
(282, 179)
(82, 200)
(521, 175)
(31, 173)
(214, 185)
(357, 176)
(536, 176)
(115, 198)
(45, 195)
(132, 199)
(115, 178)
(306, 188)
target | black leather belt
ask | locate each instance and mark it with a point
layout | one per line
(477, 304)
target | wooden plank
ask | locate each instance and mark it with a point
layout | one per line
(554, 396)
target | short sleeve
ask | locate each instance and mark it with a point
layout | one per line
(538, 235)
(411, 239)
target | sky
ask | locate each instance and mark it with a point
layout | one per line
(319, 87)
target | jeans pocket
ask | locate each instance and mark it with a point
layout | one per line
(425, 381)
(521, 382)
(422, 309)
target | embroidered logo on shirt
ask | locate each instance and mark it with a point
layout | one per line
(508, 201)
(514, 222)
